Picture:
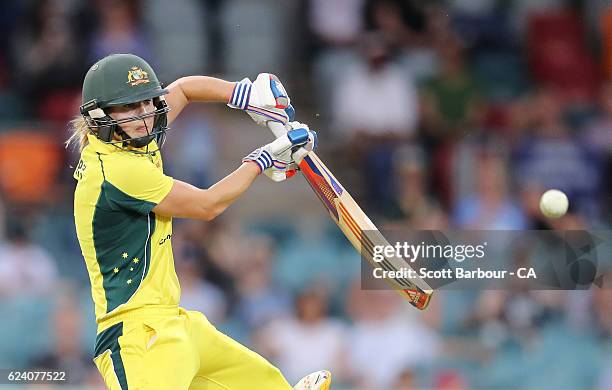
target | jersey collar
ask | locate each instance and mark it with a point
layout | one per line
(104, 148)
(99, 146)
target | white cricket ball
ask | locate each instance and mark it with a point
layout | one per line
(554, 203)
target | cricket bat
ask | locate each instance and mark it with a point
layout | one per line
(356, 225)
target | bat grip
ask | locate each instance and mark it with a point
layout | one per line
(278, 129)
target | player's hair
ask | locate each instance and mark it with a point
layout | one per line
(78, 133)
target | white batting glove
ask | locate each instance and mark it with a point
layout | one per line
(264, 100)
(275, 159)
(291, 148)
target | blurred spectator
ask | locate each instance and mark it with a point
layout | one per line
(482, 24)
(472, 7)
(191, 150)
(120, 30)
(396, 20)
(405, 380)
(9, 20)
(412, 203)
(198, 294)
(598, 137)
(451, 99)
(513, 316)
(375, 108)
(450, 380)
(490, 207)
(25, 268)
(259, 300)
(29, 165)
(602, 307)
(307, 341)
(380, 324)
(605, 16)
(528, 330)
(214, 248)
(335, 26)
(47, 59)
(558, 55)
(520, 11)
(605, 381)
(67, 349)
(552, 158)
(450, 109)
(595, 13)
(602, 310)
(3, 216)
(336, 22)
(375, 98)
(10, 104)
(417, 53)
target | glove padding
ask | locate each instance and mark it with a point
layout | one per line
(276, 158)
(264, 100)
(299, 153)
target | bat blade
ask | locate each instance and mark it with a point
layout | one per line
(359, 229)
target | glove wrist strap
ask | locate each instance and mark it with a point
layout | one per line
(241, 94)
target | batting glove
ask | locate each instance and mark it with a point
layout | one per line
(276, 158)
(264, 100)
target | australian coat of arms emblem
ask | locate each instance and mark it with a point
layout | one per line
(137, 76)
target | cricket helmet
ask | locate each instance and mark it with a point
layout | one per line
(120, 79)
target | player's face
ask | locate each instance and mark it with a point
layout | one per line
(136, 128)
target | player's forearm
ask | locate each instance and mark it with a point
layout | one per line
(187, 201)
(196, 89)
(205, 89)
(225, 192)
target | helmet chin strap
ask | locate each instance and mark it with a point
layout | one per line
(139, 142)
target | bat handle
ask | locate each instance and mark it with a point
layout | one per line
(278, 129)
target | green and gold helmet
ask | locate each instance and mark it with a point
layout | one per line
(117, 80)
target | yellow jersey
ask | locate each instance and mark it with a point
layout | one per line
(127, 248)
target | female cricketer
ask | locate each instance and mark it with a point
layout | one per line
(123, 210)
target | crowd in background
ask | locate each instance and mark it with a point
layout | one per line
(451, 114)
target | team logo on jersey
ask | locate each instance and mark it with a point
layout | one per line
(137, 76)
